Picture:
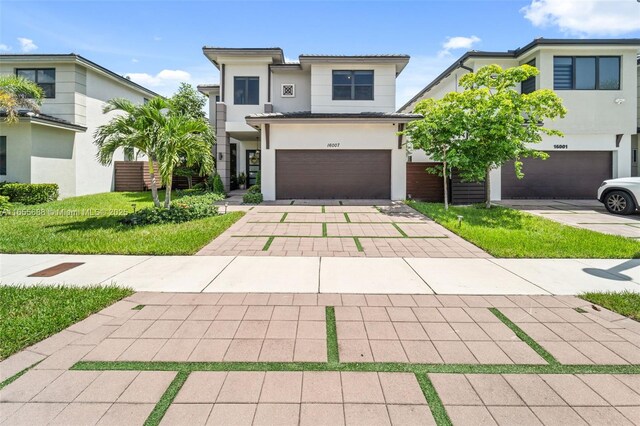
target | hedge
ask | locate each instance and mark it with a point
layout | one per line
(30, 193)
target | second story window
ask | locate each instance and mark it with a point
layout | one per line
(246, 90)
(352, 85)
(43, 77)
(586, 73)
(529, 85)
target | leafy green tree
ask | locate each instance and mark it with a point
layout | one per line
(491, 123)
(438, 135)
(18, 92)
(188, 101)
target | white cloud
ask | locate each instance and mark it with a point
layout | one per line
(4, 48)
(26, 44)
(157, 38)
(460, 42)
(134, 60)
(165, 82)
(585, 17)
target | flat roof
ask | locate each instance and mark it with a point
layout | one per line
(30, 116)
(308, 116)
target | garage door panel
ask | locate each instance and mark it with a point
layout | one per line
(568, 174)
(349, 174)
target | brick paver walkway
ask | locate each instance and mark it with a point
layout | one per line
(278, 359)
(301, 230)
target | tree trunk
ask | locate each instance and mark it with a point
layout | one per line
(487, 183)
(154, 184)
(446, 185)
(189, 182)
(167, 193)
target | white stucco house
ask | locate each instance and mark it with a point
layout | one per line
(598, 81)
(56, 145)
(322, 127)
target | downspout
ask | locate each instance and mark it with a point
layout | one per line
(463, 66)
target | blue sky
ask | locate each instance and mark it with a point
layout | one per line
(158, 43)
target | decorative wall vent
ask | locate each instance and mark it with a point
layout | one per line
(288, 90)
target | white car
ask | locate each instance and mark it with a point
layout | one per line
(620, 196)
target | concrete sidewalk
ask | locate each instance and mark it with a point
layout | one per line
(238, 274)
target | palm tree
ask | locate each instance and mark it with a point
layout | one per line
(186, 141)
(18, 92)
(167, 138)
(135, 129)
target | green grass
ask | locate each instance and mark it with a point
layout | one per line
(623, 302)
(30, 314)
(268, 244)
(167, 398)
(90, 225)
(509, 233)
(333, 354)
(544, 354)
(358, 244)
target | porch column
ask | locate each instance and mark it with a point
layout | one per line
(223, 147)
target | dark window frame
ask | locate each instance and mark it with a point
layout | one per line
(40, 84)
(525, 84)
(246, 88)
(3, 162)
(352, 85)
(597, 74)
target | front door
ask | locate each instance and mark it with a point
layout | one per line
(234, 166)
(253, 166)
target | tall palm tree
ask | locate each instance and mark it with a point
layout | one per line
(134, 128)
(18, 92)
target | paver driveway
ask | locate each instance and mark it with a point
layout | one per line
(394, 230)
(296, 359)
(587, 214)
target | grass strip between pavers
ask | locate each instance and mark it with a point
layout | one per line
(324, 210)
(324, 230)
(167, 398)
(284, 217)
(550, 359)
(358, 243)
(380, 367)
(404, 234)
(16, 376)
(433, 400)
(268, 243)
(346, 217)
(333, 236)
(333, 354)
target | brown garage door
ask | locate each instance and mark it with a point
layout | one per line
(565, 174)
(422, 185)
(315, 174)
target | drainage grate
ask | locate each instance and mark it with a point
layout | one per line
(57, 269)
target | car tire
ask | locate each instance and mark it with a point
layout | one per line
(619, 202)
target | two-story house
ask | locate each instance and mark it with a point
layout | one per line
(598, 83)
(56, 144)
(323, 127)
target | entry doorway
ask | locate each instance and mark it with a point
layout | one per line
(253, 166)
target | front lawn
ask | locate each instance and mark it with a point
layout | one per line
(91, 225)
(504, 232)
(624, 302)
(30, 314)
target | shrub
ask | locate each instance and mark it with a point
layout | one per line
(258, 179)
(5, 205)
(218, 186)
(183, 209)
(254, 189)
(252, 198)
(30, 193)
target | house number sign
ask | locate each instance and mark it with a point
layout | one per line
(333, 145)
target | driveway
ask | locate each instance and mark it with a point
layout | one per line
(217, 359)
(587, 214)
(393, 230)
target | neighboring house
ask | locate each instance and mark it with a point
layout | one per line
(598, 81)
(323, 127)
(56, 145)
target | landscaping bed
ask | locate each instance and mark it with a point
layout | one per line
(91, 224)
(30, 314)
(509, 233)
